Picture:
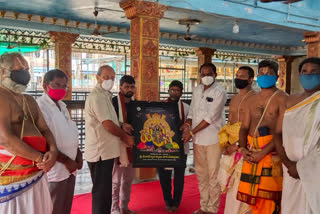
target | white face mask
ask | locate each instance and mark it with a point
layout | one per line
(107, 85)
(207, 80)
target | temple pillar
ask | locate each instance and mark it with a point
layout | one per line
(204, 56)
(144, 44)
(63, 50)
(284, 80)
(312, 39)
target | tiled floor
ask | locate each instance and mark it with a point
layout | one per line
(84, 184)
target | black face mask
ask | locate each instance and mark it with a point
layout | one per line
(240, 84)
(21, 77)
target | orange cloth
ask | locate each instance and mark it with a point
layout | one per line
(261, 184)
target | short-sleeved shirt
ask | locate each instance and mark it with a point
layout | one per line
(99, 143)
(208, 105)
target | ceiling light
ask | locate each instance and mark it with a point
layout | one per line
(235, 28)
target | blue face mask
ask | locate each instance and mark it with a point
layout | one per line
(266, 81)
(309, 81)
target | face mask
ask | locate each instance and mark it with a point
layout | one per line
(207, 80)
(21, 77)
(56, 94)
(240, 84)
(309, 81)
(266, 81)
(107, 85)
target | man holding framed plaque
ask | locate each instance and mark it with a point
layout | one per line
(206, 117)
(172, 202)
(157, 134)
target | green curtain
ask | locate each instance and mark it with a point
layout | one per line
(15, 47)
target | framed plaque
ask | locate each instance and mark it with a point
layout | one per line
(156, 134)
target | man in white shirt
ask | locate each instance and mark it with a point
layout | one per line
(172, 201)
(103, 138)
(61, 177)
(206, 117)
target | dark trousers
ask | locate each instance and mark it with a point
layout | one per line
(178, 182)
(62, 194)
(101, 175)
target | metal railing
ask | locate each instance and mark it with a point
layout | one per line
(77, 112)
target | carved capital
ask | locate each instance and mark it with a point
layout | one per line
(204, 51)
(311, 37)
(136, 8)
(61, 37)
(284, 72)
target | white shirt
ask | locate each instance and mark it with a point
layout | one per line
(185, 110)
(208, 105)
(99, 142)
(65, 132)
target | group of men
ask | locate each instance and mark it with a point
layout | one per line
(248, 177)
(266, 159)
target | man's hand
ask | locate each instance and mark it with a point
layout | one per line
(186, 136)
(255, 157)
(231, 149)
(128, 140)
(127, 128)
(184, 127)
(224, 150)
(79, 159)
(292, 170)
(48, 160)
(246, 154)
(71, 165)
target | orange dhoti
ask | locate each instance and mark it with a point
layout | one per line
(261, 183)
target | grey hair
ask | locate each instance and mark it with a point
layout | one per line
(6, 62)
(6, 59)
(104, 67)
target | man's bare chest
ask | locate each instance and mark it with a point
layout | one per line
(269, 112)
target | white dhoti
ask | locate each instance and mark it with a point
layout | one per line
(229, 178)
(301, 140)
(34, 200)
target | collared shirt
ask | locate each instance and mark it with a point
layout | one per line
(65, 132)
(99, 142)
(208, 105)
